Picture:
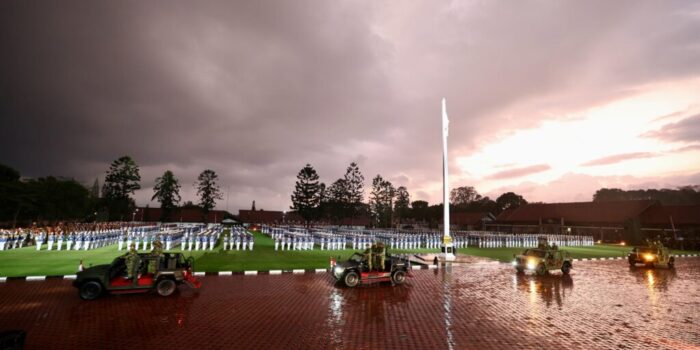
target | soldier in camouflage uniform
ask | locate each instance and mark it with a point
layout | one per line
(131, 259)
(156, 253)
(381, 255)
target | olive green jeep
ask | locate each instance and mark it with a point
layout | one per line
(542, 260)
(651, 255)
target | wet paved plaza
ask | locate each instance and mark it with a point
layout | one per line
(484, 305)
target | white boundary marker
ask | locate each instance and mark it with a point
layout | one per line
(275, 272)
(3, 279)
(250, 273)
(199, 273)
(298, 271)
(35, 278)
(225, 273)
(70, 277)
(321, 270)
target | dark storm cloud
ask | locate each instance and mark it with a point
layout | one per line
(254, 90)
(617, 158)
(686, 130)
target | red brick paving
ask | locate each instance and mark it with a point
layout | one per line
(602, 305)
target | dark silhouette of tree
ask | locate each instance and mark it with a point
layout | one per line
(208, 190)
(382, 196)
(509, 200)
(686, 195)
(354, 184)
(403, 200)
(167, 192)
(121, 181)
(463, 196)
(306, 198)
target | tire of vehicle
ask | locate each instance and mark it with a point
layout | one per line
(566, 268)
(398, 277)
(166, 287)
(351, 279)
(90, 290)
(671, 262)
(520, 270)
(631, 261)
(541, 269)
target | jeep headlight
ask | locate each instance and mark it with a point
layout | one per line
(648, 257)
(515, 263)
(531, 264)
(338, 270)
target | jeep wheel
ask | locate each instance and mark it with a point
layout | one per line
(90, 290)
(520, 270)
(351, 279)
(398, 277)
(671, 262)
(631, 261)
(541, 269)
(166, 287)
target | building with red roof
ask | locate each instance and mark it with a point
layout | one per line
(630, 221)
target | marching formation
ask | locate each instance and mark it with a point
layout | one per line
(61, 237)
(295, 238)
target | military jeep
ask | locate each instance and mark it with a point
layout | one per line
(651, 255)
(542, 260)
(356, 270)
(171, 270)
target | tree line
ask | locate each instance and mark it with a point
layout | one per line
(387, 205)
(55, 198)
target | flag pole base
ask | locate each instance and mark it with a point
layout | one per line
(447, 253)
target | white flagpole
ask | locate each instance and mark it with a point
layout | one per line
(447, 249)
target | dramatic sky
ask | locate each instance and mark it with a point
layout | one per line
(550, 99)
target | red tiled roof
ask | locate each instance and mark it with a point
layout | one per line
(505, 214)
(468, 218)
(681, 214)
(584, 212)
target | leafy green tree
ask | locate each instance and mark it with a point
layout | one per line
(167, 192)
(509, 200)
(306, 198)
(208, 190)
(121, 182)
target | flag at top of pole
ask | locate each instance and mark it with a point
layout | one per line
(447, 250)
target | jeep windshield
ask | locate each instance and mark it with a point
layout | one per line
(534, 252)
(356, 257)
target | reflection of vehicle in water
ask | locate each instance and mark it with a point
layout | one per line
(549, 288)
(359, 269)
(654, 278)
(542, 260)
(652, 255)
(168, 272)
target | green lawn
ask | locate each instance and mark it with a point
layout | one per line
(28, 262)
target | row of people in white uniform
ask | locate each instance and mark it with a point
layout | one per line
(239, 237)
(204, 239)
(81, 240)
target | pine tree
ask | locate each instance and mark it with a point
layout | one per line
(208, 190)
(167, 191)
(122, 180)
(354, 182)
(306, 198)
